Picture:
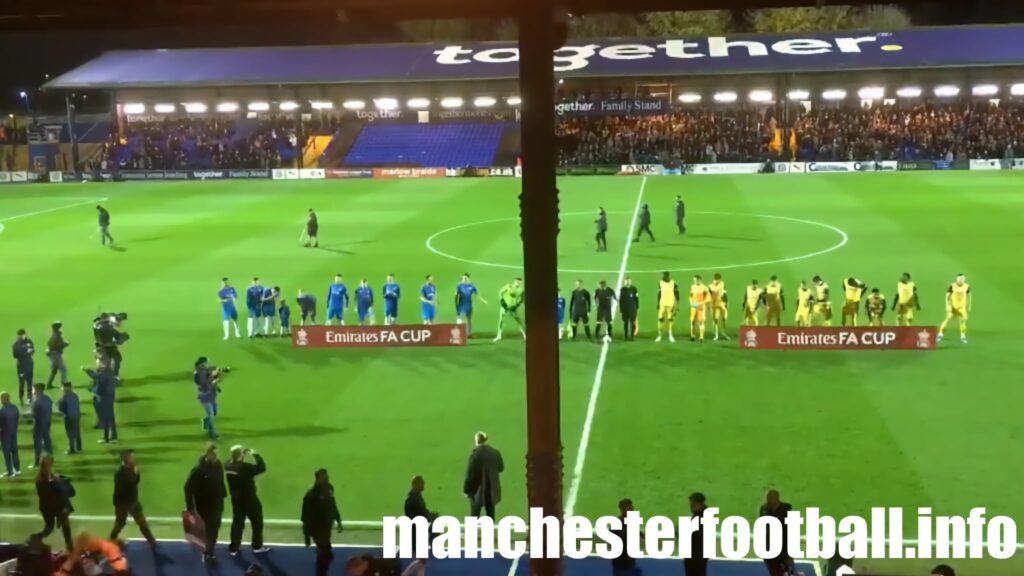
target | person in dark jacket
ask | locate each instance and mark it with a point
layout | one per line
(55, 353)
(42, 417)
(697, 563)
(104, 385)
(680, 215)
(23, 349)
(104, 223)
(629, 305)
(71, 407)
(416, 507)
(319, 515)
(773, 506)
(483, 477)
(643, 223)
(126, 498)
(244, 501)
(602, 230)
(204, 496)
(624, 564)
(312, 228)
(9, 416)
(205, 377)
(55, 493)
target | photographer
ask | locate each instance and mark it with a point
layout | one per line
(109, 338)
(207, 381)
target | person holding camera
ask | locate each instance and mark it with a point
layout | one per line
(55, 353)
(245, 503)
(106, 329)
(207, 381)
(104, 382)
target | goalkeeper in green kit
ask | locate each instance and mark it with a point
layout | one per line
(510, 298)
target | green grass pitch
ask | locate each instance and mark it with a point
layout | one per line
(840, 430)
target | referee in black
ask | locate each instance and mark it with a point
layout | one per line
(629, 304)
(602, 230)
(241, 476)
(604, 295)
(579, 309)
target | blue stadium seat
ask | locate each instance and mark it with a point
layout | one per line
(428, 145)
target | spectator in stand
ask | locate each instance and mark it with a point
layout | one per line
(204, 496)
(55, 493)
(483, 477)
(319, 515)
(774, 507)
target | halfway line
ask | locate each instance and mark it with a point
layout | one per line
(48, 210)
(581, 454)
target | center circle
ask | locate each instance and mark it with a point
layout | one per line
(841, 239)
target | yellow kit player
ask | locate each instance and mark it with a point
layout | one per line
(853, 291)
(774, 302)
(719, 306)
(906, 301)
(804, 301)
(822, 309)
(700, 301)
(668, 305)
(752, 300)
(874, 306)
(958, 305)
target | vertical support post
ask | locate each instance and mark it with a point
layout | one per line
(71, 136)
(539, 205)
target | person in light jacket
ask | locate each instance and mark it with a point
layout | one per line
(483, 477)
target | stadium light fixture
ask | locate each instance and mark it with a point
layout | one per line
(380, 103)
(909, 92)
(871, 93)
(134, 108)
(761, 96)
(834, 94)
(451, 102)
(194, 107)
(321, 104)
(985, 90)
(725, 97)
(418, 103)
(1017, 90)
(514, 100)
(259, 106)
(947, 91)
(288, 106)
(484, 101)
(689, 97)
(799, 95)
(227, 107)
(164, 108)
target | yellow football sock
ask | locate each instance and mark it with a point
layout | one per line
(963, 329)
(702, 332)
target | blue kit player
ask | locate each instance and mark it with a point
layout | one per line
(464, 294)
(254, 306)
(428, 301)
(269, 310)
(228, 311)
(307, 308)
(285, 328)
(364, 303)
(391, 295)
(337, 301)
(560, 312)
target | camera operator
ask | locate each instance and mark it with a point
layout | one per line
(106, 328)
(207, 380)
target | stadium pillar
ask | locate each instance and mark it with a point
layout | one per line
(538, 38)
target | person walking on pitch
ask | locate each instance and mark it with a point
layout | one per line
(680, 215)
(104, 223)
(643, 223)
(311, 230)
(602, 230)
(511, 298)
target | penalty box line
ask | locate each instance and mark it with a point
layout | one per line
(595, 390)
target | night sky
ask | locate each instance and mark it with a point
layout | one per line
(52, 53)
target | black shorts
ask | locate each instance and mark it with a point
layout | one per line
(604, 314)
(629, 315)
(584, 318)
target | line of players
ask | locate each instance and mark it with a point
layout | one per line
(813, 304)
(269, 314)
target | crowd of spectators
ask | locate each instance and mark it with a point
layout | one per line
(179, 143)
(704, 134)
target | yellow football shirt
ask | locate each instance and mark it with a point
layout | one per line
(772, 295)
(753, 296)
(717, 290)
(958, 295)
(803, 298)
(699, 295)
(904, 293)
(853, 291)
(667, 294)
(821, 293)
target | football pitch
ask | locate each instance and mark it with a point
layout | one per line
(844, 431)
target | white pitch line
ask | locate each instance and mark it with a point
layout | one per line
(48, 210)
(581, 453)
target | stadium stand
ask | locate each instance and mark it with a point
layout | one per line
(454, 144)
